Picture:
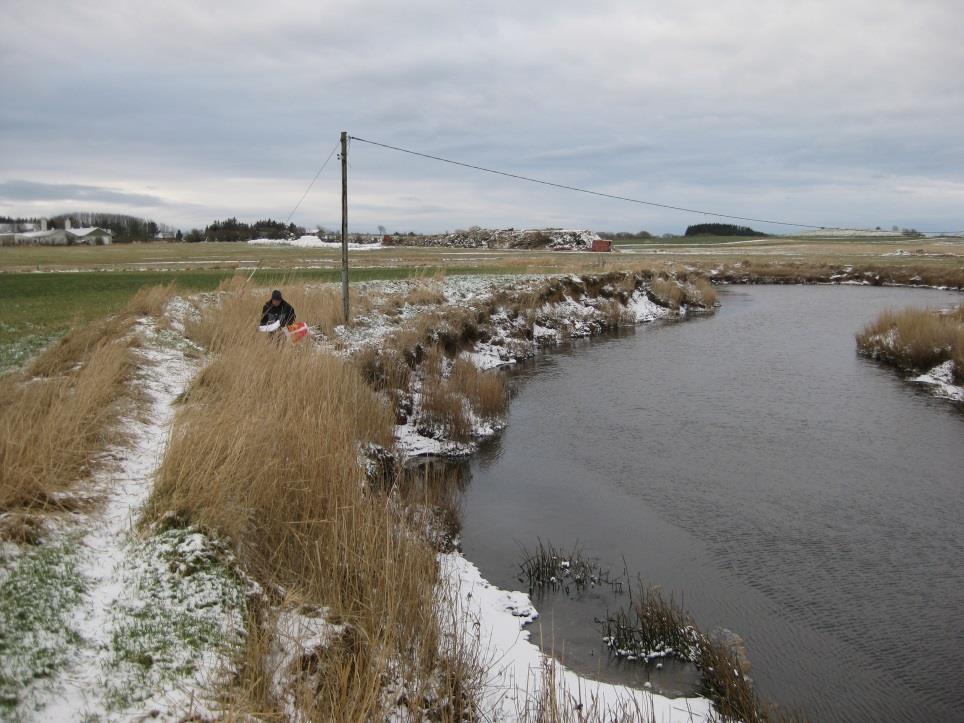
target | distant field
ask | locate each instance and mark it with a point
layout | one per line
(46, 289)
(230, 256)
(710, 240)
(685, 240)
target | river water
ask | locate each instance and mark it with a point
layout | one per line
(752, 465)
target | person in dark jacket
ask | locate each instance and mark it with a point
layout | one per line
(277, 309)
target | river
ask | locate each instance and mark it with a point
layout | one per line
(752, 465)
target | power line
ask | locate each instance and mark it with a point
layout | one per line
(303, 195)
(611, 195)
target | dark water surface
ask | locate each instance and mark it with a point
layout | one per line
(750, 462)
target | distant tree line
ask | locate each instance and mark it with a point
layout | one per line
(230, 229)
(720, 229)
(618, 235)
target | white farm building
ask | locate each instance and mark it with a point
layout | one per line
(68, 236)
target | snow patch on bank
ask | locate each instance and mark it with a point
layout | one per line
(299, 635)
(494, 621)
(941, 378)
(645, 309)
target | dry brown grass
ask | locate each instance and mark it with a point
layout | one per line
(706, 294)
(53, 429)
(383, 368)
(426, 292)
(443, 410)
(485, 391)
(667, 292)
(59, 414)
(236, 309)
(455, 394)
(150, 300)
(75, 347)
(264, 453)
(916, 339)
(828, 269)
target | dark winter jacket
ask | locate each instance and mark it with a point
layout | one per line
(284, 312)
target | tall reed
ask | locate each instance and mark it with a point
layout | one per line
(265, 452)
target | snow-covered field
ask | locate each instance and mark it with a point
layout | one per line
(311, 241)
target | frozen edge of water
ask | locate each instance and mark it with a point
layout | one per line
(494, 621)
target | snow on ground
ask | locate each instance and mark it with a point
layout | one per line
(412, 443)
(298, 634)
(312, 242)
(645, 309)
(149, 630)
(488, 356)
(941, 378)
(494, 621)
(849, 233)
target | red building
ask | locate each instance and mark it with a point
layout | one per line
(602, 244)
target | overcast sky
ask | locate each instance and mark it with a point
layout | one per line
(837, 112)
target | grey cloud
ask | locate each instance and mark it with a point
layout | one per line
(19, 191)
(759, 109)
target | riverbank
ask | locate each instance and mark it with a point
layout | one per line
(422, 348)
(225, 529)
(927, 344)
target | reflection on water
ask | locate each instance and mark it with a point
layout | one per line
(753, 466)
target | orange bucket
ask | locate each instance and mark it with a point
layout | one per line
(297, 331)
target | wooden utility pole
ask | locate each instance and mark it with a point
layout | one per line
(344, 226)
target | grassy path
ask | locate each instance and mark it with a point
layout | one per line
(113, 625)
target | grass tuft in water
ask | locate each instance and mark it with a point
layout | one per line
(548, 568)
(653, 627)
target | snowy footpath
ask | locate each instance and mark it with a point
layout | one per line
(152, 625)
